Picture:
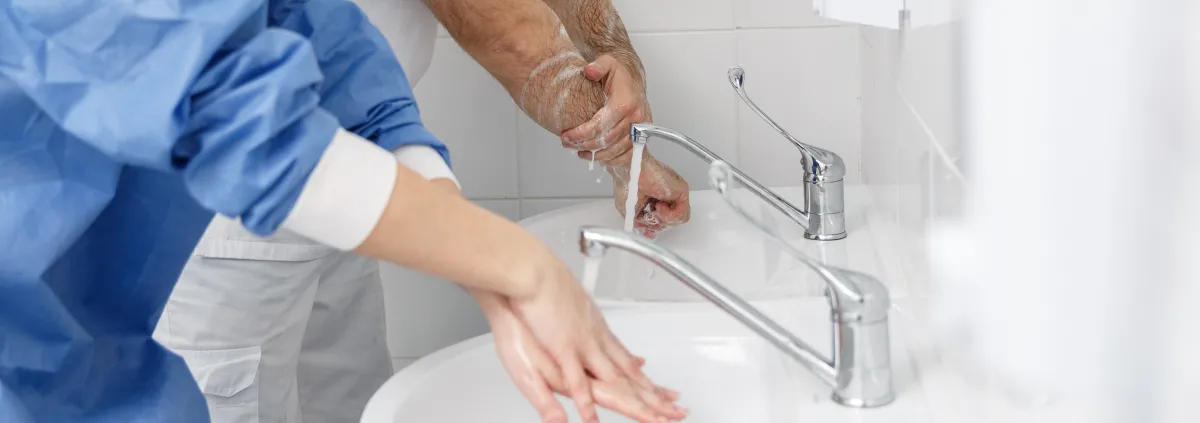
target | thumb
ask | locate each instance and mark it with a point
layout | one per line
(598, 70)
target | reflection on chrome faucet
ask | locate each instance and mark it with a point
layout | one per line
(860, 371)
(823, 216)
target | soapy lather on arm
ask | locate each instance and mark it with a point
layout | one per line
(523, 45)
(526, 47)
(598, 32)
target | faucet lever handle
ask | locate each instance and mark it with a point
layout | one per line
(737, 78)
(819, 160)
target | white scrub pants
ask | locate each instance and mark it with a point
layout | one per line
(280, 330)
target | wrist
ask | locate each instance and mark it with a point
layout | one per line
(494, 306)
(539, 273)
(620, 166)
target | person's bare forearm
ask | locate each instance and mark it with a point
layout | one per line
(596, 28)
(494, 306)
(426, 228)
(520, 42)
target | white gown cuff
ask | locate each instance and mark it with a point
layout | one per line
(346, 194)
(425, 161)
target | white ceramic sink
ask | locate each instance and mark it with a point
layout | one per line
(724, 372)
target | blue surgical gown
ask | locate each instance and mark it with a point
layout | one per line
(124, 124)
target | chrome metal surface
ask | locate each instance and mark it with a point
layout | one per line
(860, 370)
(820, 164)
(823, 216)
(595, 241)
(860, 304)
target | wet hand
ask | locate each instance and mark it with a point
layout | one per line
(569, 327)
(606, 136)
(538, 378)
(663, 196)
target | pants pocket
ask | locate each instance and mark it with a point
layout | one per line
(229, 381)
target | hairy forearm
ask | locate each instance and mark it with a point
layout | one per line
(596, 28)
(520, 42)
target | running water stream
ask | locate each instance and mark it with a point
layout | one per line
(591, 272)
(591, 265)
(635, 175)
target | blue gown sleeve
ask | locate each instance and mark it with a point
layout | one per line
(201, 87)
(364, 86)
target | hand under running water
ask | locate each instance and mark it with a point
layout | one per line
(557, 341)
(662, 196)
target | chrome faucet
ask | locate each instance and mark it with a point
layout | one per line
(823, 215)
(860, 371)
(823, 173)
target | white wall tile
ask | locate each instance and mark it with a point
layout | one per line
(530, 208)
(425, 313)
(675, 15)
(879, 111)
(929, 81)
(687, 91)
(549, 170)
(461, 104)
(808, 81)
(778, 14)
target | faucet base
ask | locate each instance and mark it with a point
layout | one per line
(819, 237)
(864, 403)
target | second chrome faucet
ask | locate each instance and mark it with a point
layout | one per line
(859, 370)
(823, 212)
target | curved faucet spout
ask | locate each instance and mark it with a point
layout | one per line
(822, 217)
(594, 242)
(860, 370)
(643, 131)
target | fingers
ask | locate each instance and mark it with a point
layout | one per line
(533, 382)
(601, 365)
(681, 212)
(615, 143)
(662, 405)
(662, 215)
(612, 145)
(673, 214)
(598, 70)
(620, 397)
(542, 399)
(579, 389)
(668, 394)
(602, 122)
(629, 365)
